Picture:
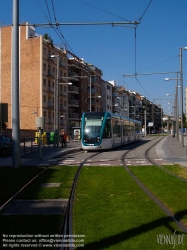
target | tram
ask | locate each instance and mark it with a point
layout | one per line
(105, 130)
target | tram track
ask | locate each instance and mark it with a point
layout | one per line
(156, 199)
(67, 223)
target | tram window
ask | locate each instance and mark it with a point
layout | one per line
(116, 128)
(107, 130)
(137, 127)
(93, 128)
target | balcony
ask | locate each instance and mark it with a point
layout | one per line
(74, 102)
(93, 91)
(73, 74)
(50, 74)
(63, 93)
(50, 59)
(50, 89)
(62, 108)
(62, 64)
(49, 120)
(50, 105)
(73, 89)
(74, 115)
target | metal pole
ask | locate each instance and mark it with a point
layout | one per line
(181, 96)
(90, 93)
(15, 87)
(145, 122)
(177, 111)
(40, 144)
(55, 113)
(57, 100)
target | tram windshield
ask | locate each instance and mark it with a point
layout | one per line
(92, 128)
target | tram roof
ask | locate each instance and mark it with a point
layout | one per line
(109, 114)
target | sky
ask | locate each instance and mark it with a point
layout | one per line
(147, 49)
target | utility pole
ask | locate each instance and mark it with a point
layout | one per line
(15, 87)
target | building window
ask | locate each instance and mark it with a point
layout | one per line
(44, 66)
(44, 98)
(44, 82)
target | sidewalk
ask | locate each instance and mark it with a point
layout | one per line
(33, 158)
(171, 150)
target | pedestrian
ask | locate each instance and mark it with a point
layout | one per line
(63, 137)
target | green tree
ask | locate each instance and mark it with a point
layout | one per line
(48, 38)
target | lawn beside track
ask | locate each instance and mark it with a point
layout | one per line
(113, 212)
(11, 180)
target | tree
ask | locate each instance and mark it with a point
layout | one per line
(48, 38)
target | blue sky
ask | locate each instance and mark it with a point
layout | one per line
(160, 34)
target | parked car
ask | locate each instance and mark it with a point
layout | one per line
(5, 145)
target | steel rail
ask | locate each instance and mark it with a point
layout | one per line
(166, 209)
(67, 225)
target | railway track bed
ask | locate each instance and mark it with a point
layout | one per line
(107, 206)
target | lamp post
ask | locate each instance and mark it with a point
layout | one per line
(181, 93)
(176, 108)
(176, 112)
(56, 102)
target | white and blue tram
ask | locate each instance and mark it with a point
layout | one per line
(104, 130)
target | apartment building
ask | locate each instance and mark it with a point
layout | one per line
(45, 73)
(38, 77)
(86, 90)
(107, 88)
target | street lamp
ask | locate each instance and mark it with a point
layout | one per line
(56, 101)
(181, 93)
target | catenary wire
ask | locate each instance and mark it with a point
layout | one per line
(157, 64)
(143, 87)
(59, 29)
(57, 32)
(103, 10)
(145, 11)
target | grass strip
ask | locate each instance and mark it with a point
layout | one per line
(177, 170)
(64, 175)
(171, 190)
(113, 212)
(12, 180)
